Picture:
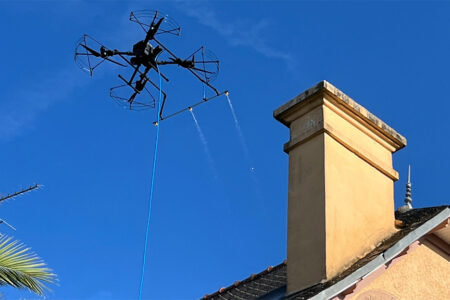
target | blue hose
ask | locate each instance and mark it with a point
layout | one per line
(151, 191)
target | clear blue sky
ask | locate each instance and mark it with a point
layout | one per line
(59, 128)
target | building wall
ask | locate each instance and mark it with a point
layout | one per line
(424, 273)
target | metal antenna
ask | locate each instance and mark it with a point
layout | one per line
(408, 197)
(15, 194)
(7, 224)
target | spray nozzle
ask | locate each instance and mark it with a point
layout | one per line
(155, 123)
(226, 93)
(190, 108)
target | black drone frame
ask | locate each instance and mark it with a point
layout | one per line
(145, 56)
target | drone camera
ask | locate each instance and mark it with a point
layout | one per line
(148, 49)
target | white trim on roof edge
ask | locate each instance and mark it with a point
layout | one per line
(382, 258)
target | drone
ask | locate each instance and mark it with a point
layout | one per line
(137, 92)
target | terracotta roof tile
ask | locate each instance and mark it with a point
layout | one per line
(273, 279)
(254, 286)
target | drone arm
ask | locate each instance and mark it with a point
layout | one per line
(105, 52)
(166, 62)
(165, 48)
(123, 53)
(129, 84)
(152, 30)
(163, 100)
(182, 63)
(133, 75)
(201, 79)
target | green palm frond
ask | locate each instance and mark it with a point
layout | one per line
(21, 268)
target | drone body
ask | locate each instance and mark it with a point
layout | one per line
(138, 91)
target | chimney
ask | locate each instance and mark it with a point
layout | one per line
(341, 183)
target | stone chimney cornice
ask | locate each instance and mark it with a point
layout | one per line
(286, 113)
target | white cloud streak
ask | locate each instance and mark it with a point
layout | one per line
(23, 107)
(245, 33)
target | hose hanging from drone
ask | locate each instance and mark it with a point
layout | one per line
(202, 64)
(151, 190)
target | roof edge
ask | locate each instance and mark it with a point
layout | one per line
(382, 258)
(250, 278)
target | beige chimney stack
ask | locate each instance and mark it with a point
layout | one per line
(341, 183)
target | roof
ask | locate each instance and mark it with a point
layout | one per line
(271, 283)
(255, 286)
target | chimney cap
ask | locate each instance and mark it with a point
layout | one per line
(324, 87)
